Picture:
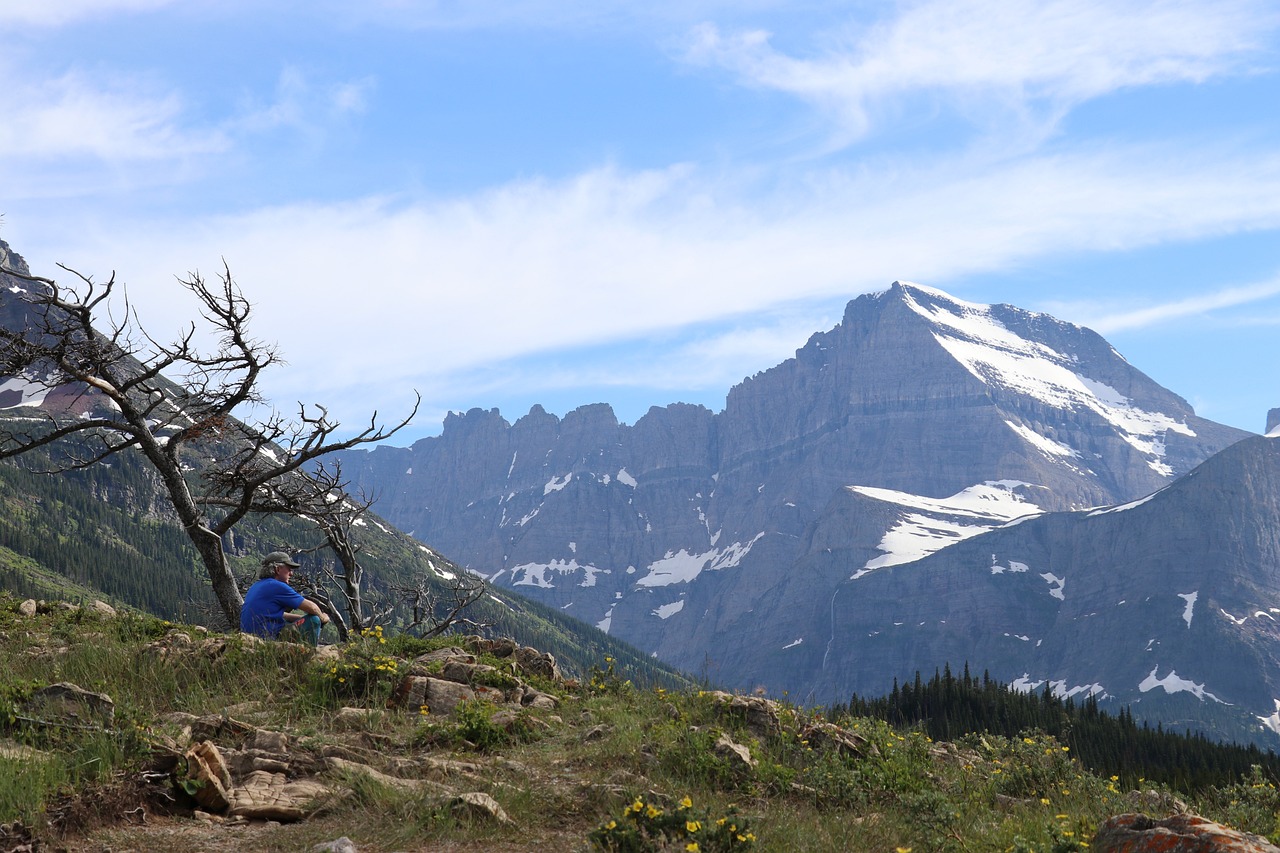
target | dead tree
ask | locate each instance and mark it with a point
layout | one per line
(435, 607)
(171, 402)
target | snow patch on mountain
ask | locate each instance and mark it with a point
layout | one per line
(1272, 722)
(22, 391)
(1025, 684)
(556, 483)
(1044, 444)
(1173, 684)
(682, 566)
(666, 611)
(936, 523)
(536, 574)
(1189, 610)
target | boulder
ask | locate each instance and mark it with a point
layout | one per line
(534, 662)
(28, 607)
(1138, 833)
(102, 608)
(70, 702)
(436, 694)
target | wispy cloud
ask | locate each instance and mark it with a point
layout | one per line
(1179, 309)
(1028, 57)
(113, 120)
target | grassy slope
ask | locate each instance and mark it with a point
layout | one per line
(606, 746)
(101, 533)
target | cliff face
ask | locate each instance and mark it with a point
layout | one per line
(725, 542)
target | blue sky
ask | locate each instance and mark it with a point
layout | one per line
(507, 203)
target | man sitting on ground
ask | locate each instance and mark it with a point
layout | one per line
(268, 602)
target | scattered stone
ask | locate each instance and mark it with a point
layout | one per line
(28, 607)
(340, 845)
(1138, 833)
(102, 608)
(1152, 801)
(478, 805)
(596, 732)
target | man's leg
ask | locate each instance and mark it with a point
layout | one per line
(310, 629)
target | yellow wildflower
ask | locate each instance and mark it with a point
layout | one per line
(686, 803)
(692, 826)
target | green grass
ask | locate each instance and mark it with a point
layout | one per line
(568, 778)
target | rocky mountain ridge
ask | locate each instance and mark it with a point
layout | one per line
(721, 542)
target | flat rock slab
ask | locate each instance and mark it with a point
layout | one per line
(271, 796)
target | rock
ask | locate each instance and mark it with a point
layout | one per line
(760, 715)
(824, 735)
(327, 654)
(1138, 833)
(478, 805)
(208, 771)
(1151, 801)
(28, 607)
(596, 732)
(271, 796)
(220, 727)
(444, 655)
(343, 766)
(463, 672)
(269, 741)
(537, 699)
(102, 608)
(71, 702)
(340, 845)
(736, 753)
(501, 647)
(439, 696)
(534, 662)
(354, 719)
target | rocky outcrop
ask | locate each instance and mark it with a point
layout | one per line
(1138, 833)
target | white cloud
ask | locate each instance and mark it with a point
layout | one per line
(392, 294)
(1026, 55)
(63, 12)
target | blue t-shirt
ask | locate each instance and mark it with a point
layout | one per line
(264, 607)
